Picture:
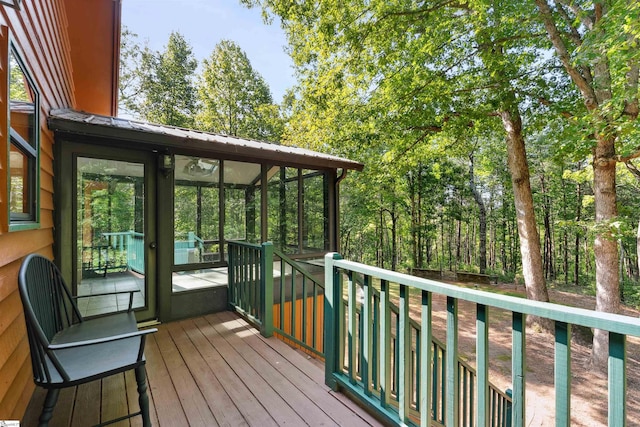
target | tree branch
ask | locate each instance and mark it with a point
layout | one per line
(547, 103)
(585, 88)
(627, 159)
(632, 107)
(586, 20)
(574, 35)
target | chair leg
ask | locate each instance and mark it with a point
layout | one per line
(143, 399)
(47, 407)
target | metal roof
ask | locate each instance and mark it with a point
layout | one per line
(124, 132)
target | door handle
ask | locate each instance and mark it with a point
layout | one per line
(152, 245)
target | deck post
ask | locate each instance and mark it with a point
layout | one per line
(332, 300)
(266, 285)
(617, 379)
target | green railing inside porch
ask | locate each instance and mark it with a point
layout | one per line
(251, 288)
(124, 250)
(415, 399)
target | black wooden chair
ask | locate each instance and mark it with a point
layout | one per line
(67, 350)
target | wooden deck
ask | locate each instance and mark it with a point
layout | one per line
(208, 371)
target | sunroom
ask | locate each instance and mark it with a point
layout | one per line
(154, 208)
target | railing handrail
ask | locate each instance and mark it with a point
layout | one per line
(343, 339)
(297, 267)
(577, 316)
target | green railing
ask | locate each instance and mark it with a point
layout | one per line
(251, 283)
(288, 303)
(189, 251)
(298, 314)
(118, 251)
(499, 402)
(409, 398)
(135, 254)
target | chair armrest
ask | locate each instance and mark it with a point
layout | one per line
(105, 293)
(101, 340)
(111, 293)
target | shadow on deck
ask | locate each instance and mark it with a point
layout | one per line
(208, 371)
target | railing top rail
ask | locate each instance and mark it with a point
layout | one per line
(245, 244)
(117, 233)
(593, 319)
(298, 268)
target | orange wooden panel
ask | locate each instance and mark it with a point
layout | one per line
(8, 279)
(19, 357)
(4, 196)
(286, 324)
(15, 246)
(20, 381)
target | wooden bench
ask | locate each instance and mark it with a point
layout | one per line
(483, 279)
(426, 273)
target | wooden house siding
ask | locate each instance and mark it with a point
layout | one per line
(40, 30)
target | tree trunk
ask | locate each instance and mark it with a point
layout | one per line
(482, 218)
(525, 215)
(548, 245)
(638, 246)
(596, 89)
(577, 248)
(605, 246)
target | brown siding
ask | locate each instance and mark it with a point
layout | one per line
(41, 32)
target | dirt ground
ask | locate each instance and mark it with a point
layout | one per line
(589, 389)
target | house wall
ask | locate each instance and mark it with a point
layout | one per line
(40, 30)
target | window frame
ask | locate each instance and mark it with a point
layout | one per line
(30, 149)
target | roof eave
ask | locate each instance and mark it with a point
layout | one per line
(167, 142)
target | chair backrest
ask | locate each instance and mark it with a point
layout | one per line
(48, 307)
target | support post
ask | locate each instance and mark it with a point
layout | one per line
(266, 287)
(332, 300)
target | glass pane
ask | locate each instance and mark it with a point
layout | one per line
(22, 102)
(24, 143)
(19, 174)
(189, 280)
(196, 211)
(290, 203)
(110, 234)
(239, 173)
(235, 218)
(314, 218)
(253, 214)
(274, 210)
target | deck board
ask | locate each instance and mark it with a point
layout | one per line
(313, 388)
(212, 370)
(281, 384)
(276, 405)
(218, 401)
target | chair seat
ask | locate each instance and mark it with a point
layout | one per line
(100, 327)
(87, 363)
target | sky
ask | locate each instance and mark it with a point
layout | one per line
(204, 23)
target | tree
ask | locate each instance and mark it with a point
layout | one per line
(235, 98)
(435, 67)
(128, 79)
(167, 91)
(421, 69)
(597, 44)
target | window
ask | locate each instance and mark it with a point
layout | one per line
(23, 143)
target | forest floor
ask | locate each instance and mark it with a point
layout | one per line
(589, 388)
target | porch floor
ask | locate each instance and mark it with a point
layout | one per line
(208, 371)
